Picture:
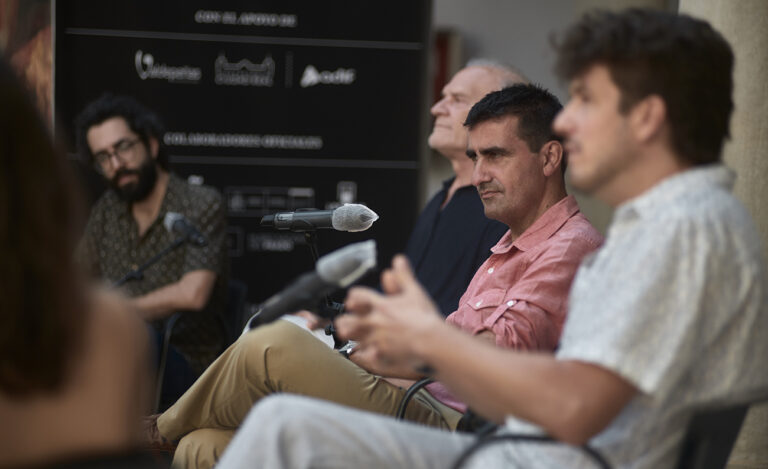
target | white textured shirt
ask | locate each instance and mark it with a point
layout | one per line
(676, 303)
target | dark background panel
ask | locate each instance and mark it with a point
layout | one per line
(315, 113)
(386, 191)
(396, 21)
(376, 116)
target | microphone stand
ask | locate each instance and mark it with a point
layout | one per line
(330, 309)
(138, 274)
(311, 238)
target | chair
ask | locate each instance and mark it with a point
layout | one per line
(471, 422)
(708, 442)
(415, 387)
(233, 317)
(710, 437)
(231, 321)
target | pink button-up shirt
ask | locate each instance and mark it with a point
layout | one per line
(520, 293)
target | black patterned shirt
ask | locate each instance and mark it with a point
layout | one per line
(111, 247)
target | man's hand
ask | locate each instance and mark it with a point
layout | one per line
(313, 320)
(367, 359)
(388, 325)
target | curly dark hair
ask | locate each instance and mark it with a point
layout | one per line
(42, 306)
(141, 120)
(648, 52)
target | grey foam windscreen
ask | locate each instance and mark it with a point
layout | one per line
(344, 266)
(170, 219)
(353, 217)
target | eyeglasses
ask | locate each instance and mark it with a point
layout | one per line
(122, 150)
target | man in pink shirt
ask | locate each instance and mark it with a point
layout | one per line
(517, 299)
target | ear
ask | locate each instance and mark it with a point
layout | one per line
(551, 154)
(154, 147)
(648, 117)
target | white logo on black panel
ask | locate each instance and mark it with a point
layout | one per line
(244, 72)
(149, 70)
(341, 76)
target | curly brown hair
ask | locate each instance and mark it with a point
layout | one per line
(42, 308)
(679, 58)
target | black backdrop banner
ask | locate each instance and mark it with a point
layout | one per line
(281, 105)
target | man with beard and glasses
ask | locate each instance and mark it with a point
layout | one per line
(123, 140)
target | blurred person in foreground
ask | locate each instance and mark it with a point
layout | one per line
(667, 318)
(73, 357)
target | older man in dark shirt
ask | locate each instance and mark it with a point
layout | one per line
(452, 236)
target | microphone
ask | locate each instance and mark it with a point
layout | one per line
(177, 223)
(332, 271)
(348, 217)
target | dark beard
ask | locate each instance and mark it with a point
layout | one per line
(147, 177)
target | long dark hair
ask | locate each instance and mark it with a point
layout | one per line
(42, 307)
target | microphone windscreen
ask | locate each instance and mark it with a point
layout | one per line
(170, 219)
(353, 217)
(344, 266)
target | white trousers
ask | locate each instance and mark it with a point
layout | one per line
(286, 431)
(309, 433)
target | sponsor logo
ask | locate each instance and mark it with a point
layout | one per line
(149, 70)
(244, 72)
(341, 76)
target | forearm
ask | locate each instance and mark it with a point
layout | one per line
(190, 293)
(571, 401)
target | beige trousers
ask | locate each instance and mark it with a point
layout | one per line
(279, 357)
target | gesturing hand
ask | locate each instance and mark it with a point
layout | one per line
(389, 325)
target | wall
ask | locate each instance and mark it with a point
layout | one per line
(518, 32)
(747, 153)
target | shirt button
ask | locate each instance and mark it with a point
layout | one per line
(511, 303)
(490, 271)
(477, 305)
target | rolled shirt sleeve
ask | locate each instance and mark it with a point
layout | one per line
(529, 313)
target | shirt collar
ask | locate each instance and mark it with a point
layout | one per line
(674, 188)
(541, 229)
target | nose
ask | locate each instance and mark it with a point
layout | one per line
(438, 108)
(479, 173)
(562, 123)
(116, 160)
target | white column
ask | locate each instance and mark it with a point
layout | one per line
(744, 24)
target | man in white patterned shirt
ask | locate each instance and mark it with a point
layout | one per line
(667, 318)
